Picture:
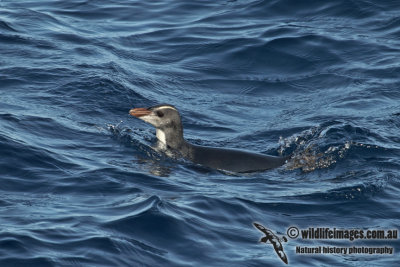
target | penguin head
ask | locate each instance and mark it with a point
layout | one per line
(167, 121)
(160, 116)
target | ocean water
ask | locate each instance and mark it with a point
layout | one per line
(81, 184)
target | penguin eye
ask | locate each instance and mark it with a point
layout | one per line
(160, 114)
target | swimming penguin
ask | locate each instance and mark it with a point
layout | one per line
(169, 131)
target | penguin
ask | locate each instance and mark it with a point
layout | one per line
(169, 131)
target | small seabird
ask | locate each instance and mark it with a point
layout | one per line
(169, 131)
(274, 240)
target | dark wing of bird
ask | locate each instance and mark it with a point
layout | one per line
(261, 228)
(279, 249)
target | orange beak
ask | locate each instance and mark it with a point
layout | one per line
(139, 112)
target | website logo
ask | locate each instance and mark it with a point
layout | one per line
(305, 241)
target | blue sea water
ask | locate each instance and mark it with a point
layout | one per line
(81, 185)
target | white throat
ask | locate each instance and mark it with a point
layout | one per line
(161, 136)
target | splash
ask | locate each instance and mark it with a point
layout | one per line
(308, 152)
